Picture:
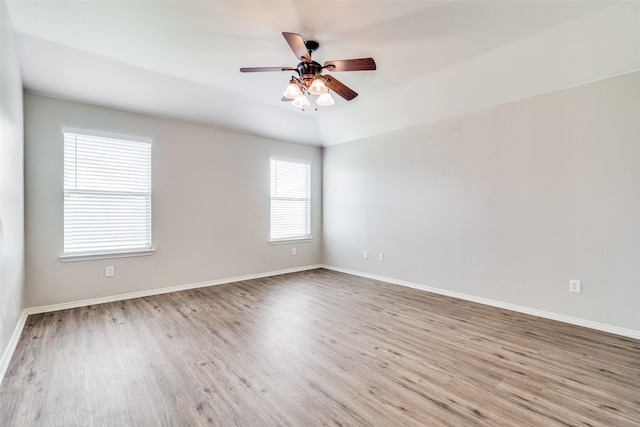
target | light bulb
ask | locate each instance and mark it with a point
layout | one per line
(318, 87)
(325, 100)
(292, 91)
(301, 102)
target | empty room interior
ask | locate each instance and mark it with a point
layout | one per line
(313, 213)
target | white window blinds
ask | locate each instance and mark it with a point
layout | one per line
(290, 200)
(107, 195)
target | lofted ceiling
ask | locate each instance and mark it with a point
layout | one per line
(436, 59)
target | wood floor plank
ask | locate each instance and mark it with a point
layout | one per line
(315, 348)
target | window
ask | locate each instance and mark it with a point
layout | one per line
(290, 200)
(107, 196)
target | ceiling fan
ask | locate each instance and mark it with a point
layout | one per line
(310, 79)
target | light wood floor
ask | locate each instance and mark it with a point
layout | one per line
(312, 349)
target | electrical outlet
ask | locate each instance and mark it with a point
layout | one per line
(365, 254)
(110, 271)
(574, 286)
(293, 251)
(380, 256)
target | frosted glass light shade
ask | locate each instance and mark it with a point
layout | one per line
(325, 100)
(301, 102)
(292, 91)
(318, 87)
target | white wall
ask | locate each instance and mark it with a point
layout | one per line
(210, 205)
(11, 187)
(506, 204)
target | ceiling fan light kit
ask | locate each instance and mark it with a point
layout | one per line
(310, 79)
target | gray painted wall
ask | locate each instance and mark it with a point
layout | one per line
(507, 204)
(210, 205)
(11, 185)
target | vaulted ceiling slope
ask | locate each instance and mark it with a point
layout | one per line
(435, 59)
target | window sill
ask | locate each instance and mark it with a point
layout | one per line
(285, 241)
(89, 256)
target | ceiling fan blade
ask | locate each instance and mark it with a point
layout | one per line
(261, 69)
(360, 64)
(339, 88)
(296, 43)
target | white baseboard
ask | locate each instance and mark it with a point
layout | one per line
(630, 333)
(11, 346)
(158, 291)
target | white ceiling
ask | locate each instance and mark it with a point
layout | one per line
(181, 59)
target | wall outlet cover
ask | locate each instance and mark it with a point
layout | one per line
(110, 271)
(574, 286)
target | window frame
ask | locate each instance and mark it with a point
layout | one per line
(292, 238)
(105, 252)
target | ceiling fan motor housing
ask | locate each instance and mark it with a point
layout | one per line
(308, 71)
